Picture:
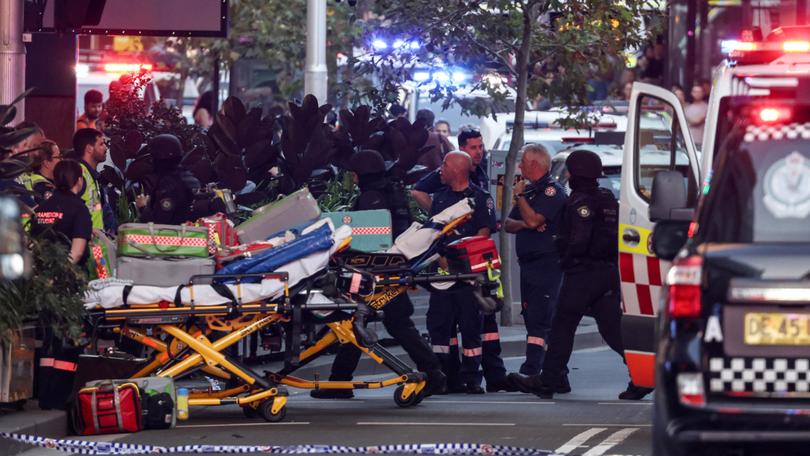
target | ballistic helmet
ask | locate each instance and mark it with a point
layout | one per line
(367, 162)
(584, 163)
(166, 151)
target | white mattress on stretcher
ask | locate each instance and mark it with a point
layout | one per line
(109, 294)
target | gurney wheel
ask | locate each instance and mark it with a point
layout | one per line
(411, 401)
(266, 411)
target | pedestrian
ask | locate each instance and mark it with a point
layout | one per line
(449, 310)
(695, 113)
(379, 192)
(438, 143)
(535, 220)
(64, 217)
(204, 110)
(93, 111)
(471, 143)
(442, 127)
(680, 94)
(44, 163)
(89, 150)
(588, 246)
(170, 201)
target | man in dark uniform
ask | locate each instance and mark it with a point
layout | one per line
(379, 192)
(535, 219)
(588, 246)
(470, 142)
(448, 309)
(170, 202)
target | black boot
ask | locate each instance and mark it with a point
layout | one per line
(563, 386)
(505, 384)
(436, 383)
(532, 384)
(634, 393)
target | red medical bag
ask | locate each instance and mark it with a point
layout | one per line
(108, 409)
(240, 252)
(472, 254)
(221, 232)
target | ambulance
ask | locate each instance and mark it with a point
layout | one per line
(774, 68)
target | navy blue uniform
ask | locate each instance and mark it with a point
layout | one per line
(588, 245)
(540, 274)
(458, 309)
(432, 182)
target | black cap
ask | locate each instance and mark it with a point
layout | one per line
(165, 148)
(584, 163)
(367, 162)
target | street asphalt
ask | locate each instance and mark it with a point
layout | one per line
(588, 421)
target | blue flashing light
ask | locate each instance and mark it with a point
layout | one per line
(421, 76)
(441, 76)
(379, 44)
(398, 43)
(415, 45)
(459, 77)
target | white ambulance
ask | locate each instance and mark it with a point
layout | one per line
(777, 66)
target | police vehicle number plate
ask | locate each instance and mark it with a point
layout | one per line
(777, 329)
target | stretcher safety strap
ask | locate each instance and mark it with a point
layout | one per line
(114, 448)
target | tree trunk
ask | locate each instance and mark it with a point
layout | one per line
(522, 69)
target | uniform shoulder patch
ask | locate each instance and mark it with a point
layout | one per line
(490, 204)
(166, 204)
(550, 191)
(584, 211)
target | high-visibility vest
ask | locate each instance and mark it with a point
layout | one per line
(26, 180)
(92, 198)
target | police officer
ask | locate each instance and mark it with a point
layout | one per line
(459, 307)
(588, 245)
(90, 149)
(535, 219)
(470, 142)
(170, 201)
(45, 161)
(379, 192)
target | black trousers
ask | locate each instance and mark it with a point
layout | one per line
(596, 289)
(398, 323)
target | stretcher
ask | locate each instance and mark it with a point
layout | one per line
(330, 287)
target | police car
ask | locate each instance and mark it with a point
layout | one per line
(724, 334)
(611, 156)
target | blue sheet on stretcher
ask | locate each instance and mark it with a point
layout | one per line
(317, 240)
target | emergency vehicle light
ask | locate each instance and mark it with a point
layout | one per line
(796, 46)
(684, 279)
(127, 67)
(771, 115)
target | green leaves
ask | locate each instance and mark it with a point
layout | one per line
(52, 296)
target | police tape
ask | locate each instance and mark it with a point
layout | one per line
(114, 448)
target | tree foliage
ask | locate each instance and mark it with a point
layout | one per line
(272, 32)
(545, 48)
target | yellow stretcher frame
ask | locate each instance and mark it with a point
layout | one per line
(190, 349)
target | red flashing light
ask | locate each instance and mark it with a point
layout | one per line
(771, 115)
(127, 67)
(684, 287)
(796, 46)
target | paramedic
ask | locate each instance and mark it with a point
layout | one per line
(535, 220)
(378, 192)
(90, 149)
(64, 217)
(588, 246)
(460, 307)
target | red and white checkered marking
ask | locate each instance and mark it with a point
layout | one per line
(176, 241)
(642, 277)
(371, 230)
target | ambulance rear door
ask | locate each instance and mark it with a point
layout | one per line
(657, 139)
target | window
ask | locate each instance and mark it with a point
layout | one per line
(660, 146)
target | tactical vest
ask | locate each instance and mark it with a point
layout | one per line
(604, 244)
(92, 198)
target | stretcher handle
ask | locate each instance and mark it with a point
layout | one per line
(419, 279)
(264, 275)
